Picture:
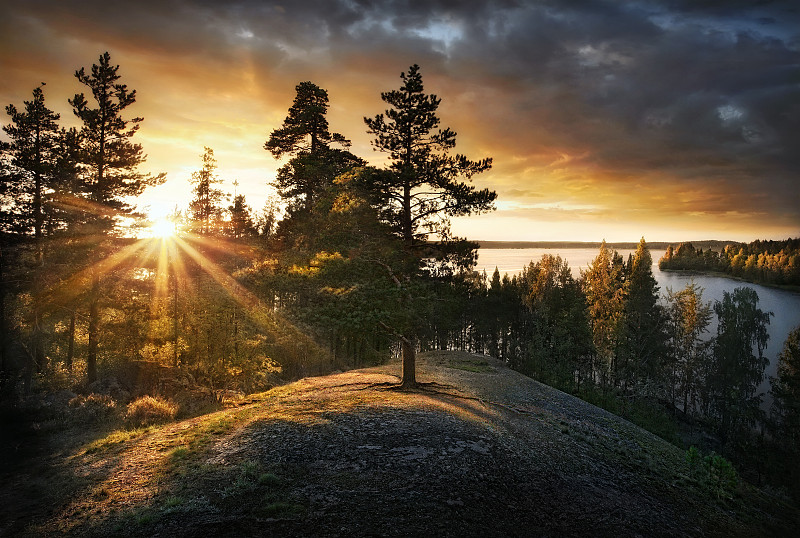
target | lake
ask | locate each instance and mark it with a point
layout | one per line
(784, 305)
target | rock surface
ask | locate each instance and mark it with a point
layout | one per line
(479, 450)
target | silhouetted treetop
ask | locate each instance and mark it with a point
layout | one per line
(425, 184)
(305, 127)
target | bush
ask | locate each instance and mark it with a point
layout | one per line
(93, 408)
(714, 471)
(56, 377)
(150, 410)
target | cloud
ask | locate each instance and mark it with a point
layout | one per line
(635, 104)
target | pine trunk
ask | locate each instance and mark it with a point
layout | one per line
(94, 314)
(409, 351)
(71, 342)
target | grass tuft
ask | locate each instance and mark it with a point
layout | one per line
(114, 439)
(150, 410)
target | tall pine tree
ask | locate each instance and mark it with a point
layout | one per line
(33, 161)
(643, 338)
(109, 158)
(423, 186)
(108, 163)
(306, 137)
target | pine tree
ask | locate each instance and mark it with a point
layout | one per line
(424, 186)
(205, 206)
(786, 409)
(241, 223)
(643, 339)
(33, 163)
(306, 137)
(32, 179)
(109, 158)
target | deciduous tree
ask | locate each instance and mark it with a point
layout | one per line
(603, 285)
(738, 360)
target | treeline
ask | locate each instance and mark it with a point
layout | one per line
(85, 306)
(713, 244)
(609, 337)
(766, 262)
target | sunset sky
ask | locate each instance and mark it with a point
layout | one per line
(668, 119)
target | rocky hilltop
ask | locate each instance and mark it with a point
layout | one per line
(479, 450)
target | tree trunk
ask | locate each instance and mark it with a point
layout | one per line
(94, 314)
(3, 328)
(408, 230)
(409, 350)
(71, 341)
(174, 317)
(38, 340)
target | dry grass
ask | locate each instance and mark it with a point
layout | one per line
(149, 410)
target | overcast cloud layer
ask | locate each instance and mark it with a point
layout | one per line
(668, 119)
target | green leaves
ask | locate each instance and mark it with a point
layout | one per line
(737, 371)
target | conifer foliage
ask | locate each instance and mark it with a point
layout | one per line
(205, 206)
(305, 136)
(108, 158)
(425, 184)
(33, 159)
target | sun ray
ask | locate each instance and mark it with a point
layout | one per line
(79, 281)
(238, 292)
(162, 272)
(161, 228)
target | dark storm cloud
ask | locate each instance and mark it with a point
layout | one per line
(705, 95)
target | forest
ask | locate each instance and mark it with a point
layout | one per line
(764, 262)
(349, 266)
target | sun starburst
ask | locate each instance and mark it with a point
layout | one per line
(162, 228)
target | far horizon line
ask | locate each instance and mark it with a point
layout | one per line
(516, 244)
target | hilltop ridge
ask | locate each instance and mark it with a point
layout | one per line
(480, 450)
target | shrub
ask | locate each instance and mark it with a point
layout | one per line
(93, 408)
(150, 410)
(714, 471)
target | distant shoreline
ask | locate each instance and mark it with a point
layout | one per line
(660, 245)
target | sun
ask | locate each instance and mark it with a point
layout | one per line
(162, 228)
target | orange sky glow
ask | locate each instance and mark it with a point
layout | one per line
(654, 119)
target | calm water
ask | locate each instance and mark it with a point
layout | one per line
(783, 304)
